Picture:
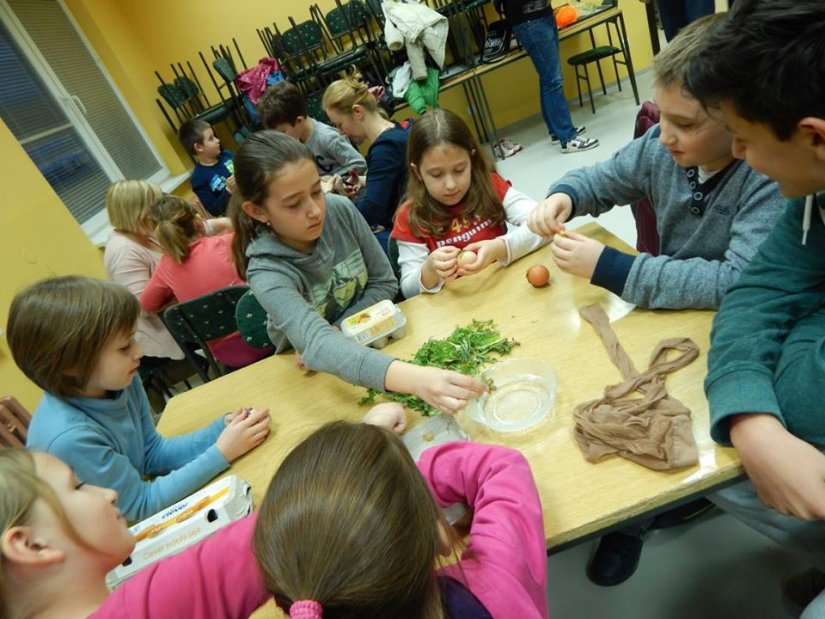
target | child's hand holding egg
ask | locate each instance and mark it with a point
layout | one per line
(479, 255)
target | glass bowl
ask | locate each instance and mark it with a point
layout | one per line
(523, 392)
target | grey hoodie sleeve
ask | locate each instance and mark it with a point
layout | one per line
(664, 282)
(322, 348)
(622, 179)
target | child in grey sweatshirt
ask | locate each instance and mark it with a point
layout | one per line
(311, 261)
(712, 210)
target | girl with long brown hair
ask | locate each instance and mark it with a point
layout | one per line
(312, 261)
(349, 527)
(456, 204)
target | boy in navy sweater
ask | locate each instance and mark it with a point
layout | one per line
(212, 178)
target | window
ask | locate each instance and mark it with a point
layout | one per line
(64, 110)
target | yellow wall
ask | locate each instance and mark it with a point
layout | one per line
(38, 238)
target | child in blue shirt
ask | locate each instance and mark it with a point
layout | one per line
(213, 177)
(74, 337)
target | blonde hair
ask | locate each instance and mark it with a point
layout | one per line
(342, 94)
(348, 521)
(428, 215)
(58, 327)
(176, 222)
(20, 489)
(671, 65)
(128, 204)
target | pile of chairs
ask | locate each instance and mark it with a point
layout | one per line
(182, 97)
(317, 51)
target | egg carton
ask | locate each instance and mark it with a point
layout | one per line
(376, 325)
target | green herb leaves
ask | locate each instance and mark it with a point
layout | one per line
(465, 350)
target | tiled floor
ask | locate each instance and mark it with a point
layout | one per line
(716, 568)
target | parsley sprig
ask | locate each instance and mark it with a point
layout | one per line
(465, 351)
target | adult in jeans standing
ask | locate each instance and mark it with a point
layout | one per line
(676, 14)
(535, 28)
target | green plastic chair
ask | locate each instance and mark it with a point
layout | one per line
(252, 320)
(202, 320)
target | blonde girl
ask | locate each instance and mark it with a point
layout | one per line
(311, 261)
(349, 527)
(455, 202)
(193, 265)
(59, 536)
(353, 109)
(74, 338)
(132, 255)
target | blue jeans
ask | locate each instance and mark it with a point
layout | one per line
(540, 39)
(676, 14)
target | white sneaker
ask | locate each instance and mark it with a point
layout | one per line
(579, 144)
(579, 130)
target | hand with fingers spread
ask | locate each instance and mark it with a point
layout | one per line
(244, 431)
(787, 472)
(549, 215)
(441, 266)
(389, 415)
(487, 252)
(576, 254)
(445, 390)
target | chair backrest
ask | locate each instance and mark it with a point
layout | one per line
(252, 319)
(187, 86)
(204, 319)
(14, 422)
(647, 234)
(173, 95)
(225, 69)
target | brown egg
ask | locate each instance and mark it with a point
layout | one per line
(538, 275)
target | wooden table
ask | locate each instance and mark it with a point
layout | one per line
(580, 499)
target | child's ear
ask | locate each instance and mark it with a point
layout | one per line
(815, 129)
(198, 147)
(414, 169)
(255, 212)
(358, 111)
(22, 545)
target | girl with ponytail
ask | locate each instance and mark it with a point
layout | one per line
(193, 265)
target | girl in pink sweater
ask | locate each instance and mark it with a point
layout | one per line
(60, 537)
(194, 265)
(350, 527)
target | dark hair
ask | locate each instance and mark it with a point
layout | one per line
(176, 222)
(281, 104)
(258, 161)
(427, 215)
(58, 327)
(768, 60)
(191, 133)
(348, 521)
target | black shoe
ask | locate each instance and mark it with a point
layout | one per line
(801, 589)
(615, 560)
